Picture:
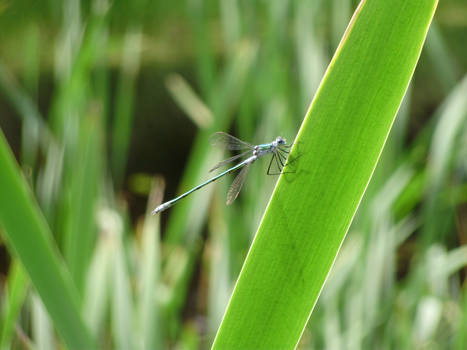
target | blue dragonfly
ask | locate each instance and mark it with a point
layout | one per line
(278, 148)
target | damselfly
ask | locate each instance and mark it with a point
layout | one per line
(278, 148)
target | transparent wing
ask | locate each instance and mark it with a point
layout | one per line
(236, 186)
(228, 160)
(226, 141)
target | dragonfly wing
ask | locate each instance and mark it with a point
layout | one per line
(236, 186)
(231, 159)
(226, 141)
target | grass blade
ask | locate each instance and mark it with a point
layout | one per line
(122, 303)
(17, 287)
(121, 132)
(149, 324)
(42, 330)
(30, 238)
(189, 101)
(339, 145)
(80, 233)
(97, 293)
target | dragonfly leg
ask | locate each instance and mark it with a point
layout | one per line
(282, 159)
(269, 166)
(279, 157)
(283, 153)
(274, 158)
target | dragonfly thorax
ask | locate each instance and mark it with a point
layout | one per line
(261, 150)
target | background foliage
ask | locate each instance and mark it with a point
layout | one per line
(94, 98)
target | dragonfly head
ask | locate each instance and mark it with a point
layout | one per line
(280, 140)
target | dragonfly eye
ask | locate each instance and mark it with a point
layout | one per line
(280, 140)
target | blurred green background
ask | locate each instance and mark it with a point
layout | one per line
(108, 106)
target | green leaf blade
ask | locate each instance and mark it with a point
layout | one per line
(30, 238)
(338, 147)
